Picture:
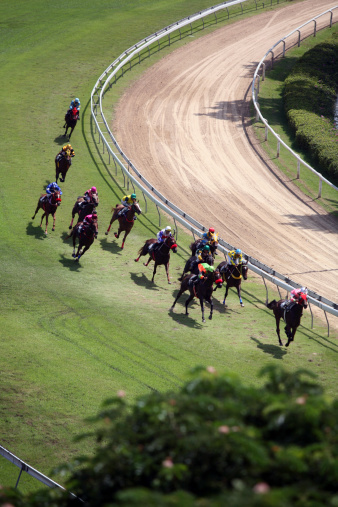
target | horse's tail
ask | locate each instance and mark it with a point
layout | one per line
(272, 304)
(192, 247)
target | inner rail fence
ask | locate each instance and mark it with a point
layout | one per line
(256, 82)
(24, 467)
(132, 176)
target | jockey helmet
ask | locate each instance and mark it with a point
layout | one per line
(133, 196)
(212, 230)
(238, 251)
(303, 290)
(206, 248)
(77, 101)
(168, 228)
(93, 189)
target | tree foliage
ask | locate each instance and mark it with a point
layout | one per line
(216, 442)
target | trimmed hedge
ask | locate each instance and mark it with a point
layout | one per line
(310, 93)
(214, 443)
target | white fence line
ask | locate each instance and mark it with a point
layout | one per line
(24, 467)
(255, 92)
(148, 190)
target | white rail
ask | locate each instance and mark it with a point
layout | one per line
(255, 92)
(24, 467)
(137, 179)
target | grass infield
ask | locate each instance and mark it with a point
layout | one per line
(73, 334)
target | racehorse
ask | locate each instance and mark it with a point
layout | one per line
(49, 205)
(196, 244)
(62, 165)
(160, 253)
(202, 290)
(85, 235)
(232, 276)
(84, 208)
(71, 118)
(192, 265)
(291, 317)
(126, 221)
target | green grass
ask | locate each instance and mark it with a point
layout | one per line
(271, 106)
(73, 334)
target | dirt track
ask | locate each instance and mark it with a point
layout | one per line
(185, 125)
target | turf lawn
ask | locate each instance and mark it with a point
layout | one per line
(73, 334)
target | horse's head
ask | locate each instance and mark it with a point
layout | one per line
(171, 243)
(56, 198)
(68, 154)
(94, 198)
(245, 270)
(136, 208)
(217, 278)
(74, 113)
(303, 300)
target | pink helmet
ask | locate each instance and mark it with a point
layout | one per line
(93, 189)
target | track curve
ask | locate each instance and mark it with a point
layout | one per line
(185, 124)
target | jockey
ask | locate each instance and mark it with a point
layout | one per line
(298, 294)
(234, 257)
(210, 237)
(161, 237)
(202, 252)
(63, 152)
(53, 187)
(203, 268)
(88, 221)
(88, 195)
(75, 104)
(164, 234)
(127, 201)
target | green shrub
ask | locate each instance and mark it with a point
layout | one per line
(310, 93)
(216, 442)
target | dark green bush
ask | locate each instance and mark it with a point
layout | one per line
(310, 93)
(216, 442)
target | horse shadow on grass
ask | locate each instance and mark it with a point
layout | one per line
(273, 350)
(143, 281)
(70, 263)
(35, 230)
(60, 140)
(111, 246)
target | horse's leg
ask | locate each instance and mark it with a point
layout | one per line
(291, 336)
(37, 209)
(226, 293)
(211, 306)
(277, 330)
(124, 239)
(202, 308)
(46, 222)
(113, 218)
(117, 234)
(74, 242)
(53, 228)
(146, 263)
(82, 253)
(239, 294)
(167, 271)
(190, 298)
(176, 299)
(154, 272)
(70, 133)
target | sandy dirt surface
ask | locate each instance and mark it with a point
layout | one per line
(185, 124)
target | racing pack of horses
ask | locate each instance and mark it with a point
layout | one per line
(198, 286)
